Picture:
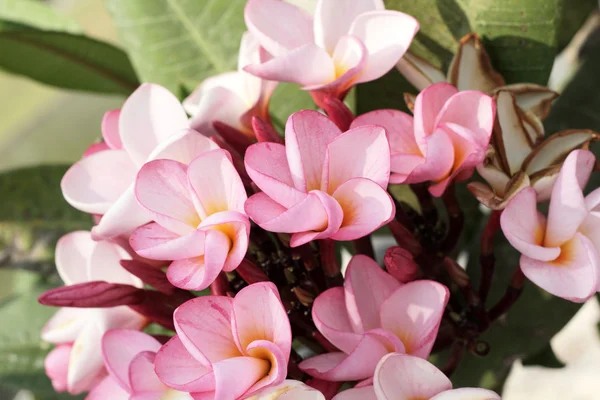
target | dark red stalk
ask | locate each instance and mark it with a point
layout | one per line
(338, 112)
(364, 246)
(92, 294)
(264, 131)
(512, 294)
(405, 238)
(456, 220)
(487, 259)
(150, 275)
(232, 136)
(220, 287)
(250, 273)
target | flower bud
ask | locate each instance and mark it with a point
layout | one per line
(400, 264)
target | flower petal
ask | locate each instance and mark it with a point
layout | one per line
(199, 272)
(215, 183)
(119, 348)
(204, 327)
(572, 276)
(413, 313)
(524, 227)
(64, 326)
(361, 393)
(149, 116)
(366, 207)
(307, 65)
(154, 242)
(162, 188)
(567, 205)
(331, 319)
(258, 314)
(471, 68)
(367, 147)
(94, 183)
(332, 19)
(386, 35)
(104, 264)
(467, 394)
(289, 390)
(110, 129)
(428, 105)
(401, 376)
(267, 166)
(307, 134)
(357, 365)
(108, 388)
(237, 228)
(73, 251)
(56, 365)
(438, 161)
(398, 125)
(366, 287)
(122, 218)
(279, 26)
(142, 377)
(86, 358)
(269, 351)
(183, 147)
(246, 370)
(179, 370)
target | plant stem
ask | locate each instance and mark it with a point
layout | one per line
(487, 259)
(456, 355)
(364, 246)
(456, 220)
(330, 264)
(512, 294)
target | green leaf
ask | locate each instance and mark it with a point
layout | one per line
(545, 358)
(37, 15)
(65, 60)
(22, 351)
(182, 42)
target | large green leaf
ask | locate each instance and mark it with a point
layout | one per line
(65, 60)
(181, 42)
(36, 14)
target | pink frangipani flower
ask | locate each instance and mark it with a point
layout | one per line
(151, 125)
(233, 97)
(345, 43)
(405, 377)
(561, 254)
(129, 359)
(372, 315)
(447, 138)
(199, 217)
(288, 390)
(78, 331)
(323, 183)
(228, 348)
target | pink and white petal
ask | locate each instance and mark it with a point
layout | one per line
(177, 369)
(184, 147)
(278, 360)
(95, 148)
(86, 358)
(524, 227)
(199, 272)
(267, 166)
(288, 390)
(258, 314)
(162, 188)
(142, 377)
(362, 393)
(413, 313)
(307, 65)
(591, 228)
(567, 205)
(308, 215)
(386, 35)
(366, 207)
(247, 371)
(64, 326)
(154, 242)
(108, 388)
(122, 218)
(104, 264)
(369, 149)
(307, 134)
(149, 116)
(279, 26)
(402, 167)
(216, 186)
(333, 19)
(120, 347)
(404, 377)
(359, 364)
(572, 276)
(94, 183)
(472, 110)
(428, 105)
(366, 287)
(335, 216)
(204, 327)
(73, 251)
(399, 127)
(237, 227)
(56, 365)
(331, 319)
(110, 129)
(467, 394)
(438, 161)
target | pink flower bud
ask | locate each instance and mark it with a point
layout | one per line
(400, 264)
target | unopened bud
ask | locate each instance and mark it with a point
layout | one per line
(93, 294)
(338, 112)
(234, 137)
(400, 264)
(264, 131)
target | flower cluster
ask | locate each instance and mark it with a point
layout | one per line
(225, 234)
